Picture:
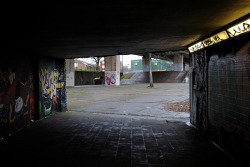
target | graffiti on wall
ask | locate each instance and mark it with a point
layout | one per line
(63, 96)
(198, 105)
(50, 86)
(110, 77)
(52, 92)
(17, 103)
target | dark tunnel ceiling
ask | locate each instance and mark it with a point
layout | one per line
(102, 28)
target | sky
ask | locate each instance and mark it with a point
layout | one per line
(125, 58)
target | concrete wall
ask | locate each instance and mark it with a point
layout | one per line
(87, 78)
(70, 72)
(178, 63)
(112, 63)
(28, 88)
(220, 94)
(169, 76)
(158, 77)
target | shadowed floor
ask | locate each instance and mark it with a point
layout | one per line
(85, 138)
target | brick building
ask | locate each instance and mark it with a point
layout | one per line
(79, 64)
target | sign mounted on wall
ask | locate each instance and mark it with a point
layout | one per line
(215, 38)
(231, 32)
(239, 28)
(195, 47)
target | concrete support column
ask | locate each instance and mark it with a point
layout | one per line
(70, 72)
(178, 63)
(150, 71)
(112, 70)
(145, 63)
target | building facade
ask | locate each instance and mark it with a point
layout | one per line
(157, 65)
(81, 65)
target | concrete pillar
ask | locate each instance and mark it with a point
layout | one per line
(178, 63)
(112, 70)
(150, 71)
(145, 63)
(70, 72)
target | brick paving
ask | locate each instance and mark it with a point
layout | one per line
(87, 139)
(121, 126)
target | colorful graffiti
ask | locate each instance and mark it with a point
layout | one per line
(50, 88)
(63, 97)
(16, 94)
(19, 94)
(49, 81)
(111, 77)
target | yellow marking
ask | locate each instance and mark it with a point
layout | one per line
(42, 85)
(52, 77)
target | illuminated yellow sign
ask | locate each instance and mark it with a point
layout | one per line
(215, 38)
(239, 28)
(233, 31)
(195, 47)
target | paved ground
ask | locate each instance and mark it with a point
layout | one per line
(130, 100)
(82, 138)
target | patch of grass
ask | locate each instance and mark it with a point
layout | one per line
(86, 70)
(127, 76)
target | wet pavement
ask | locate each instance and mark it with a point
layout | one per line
(85, 138)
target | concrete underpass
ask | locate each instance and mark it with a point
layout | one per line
(46, 119)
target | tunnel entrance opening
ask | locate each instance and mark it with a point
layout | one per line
(167, 69)
(169, 99)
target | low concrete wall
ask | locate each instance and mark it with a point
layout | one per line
(169, 76)
(158, 77)
(88, 78)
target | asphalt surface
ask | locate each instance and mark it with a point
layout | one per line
(130, 100)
